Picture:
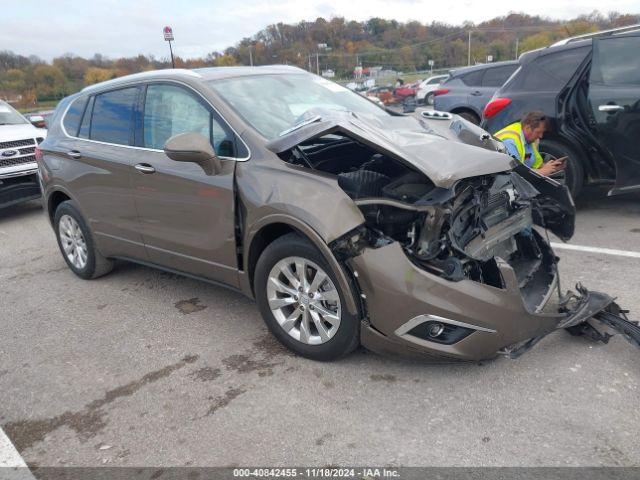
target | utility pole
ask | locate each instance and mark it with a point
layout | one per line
(317, 64)
(469, 53)
(310, 62)
(517, 39)
(250, 56)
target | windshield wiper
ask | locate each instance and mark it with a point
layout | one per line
(313, 119)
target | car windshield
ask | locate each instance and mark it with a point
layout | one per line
(273, 104)
(8, 116)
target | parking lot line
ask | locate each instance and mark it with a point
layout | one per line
(11, 463)
(606, 251)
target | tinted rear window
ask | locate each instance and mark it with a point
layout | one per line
(71, 120)
(617, 61)
(112, 116)
(553, 71)
(495, 77)
(473, 79)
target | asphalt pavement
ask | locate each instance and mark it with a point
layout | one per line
(145, 368)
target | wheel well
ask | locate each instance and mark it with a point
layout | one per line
(465, 110)
(261, 240)
(56, 199)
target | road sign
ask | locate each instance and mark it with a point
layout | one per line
(489, 58)
(431, 62)
(168, 33)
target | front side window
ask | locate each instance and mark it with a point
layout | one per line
(112, 118)
(170, 110)
(616, 61)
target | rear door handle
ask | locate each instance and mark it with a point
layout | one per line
(610, 108)
(145, 168)
(476, 93)
(74, 154)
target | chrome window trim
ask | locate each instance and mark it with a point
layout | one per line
(146, 83)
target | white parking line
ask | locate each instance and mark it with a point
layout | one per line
(11, 463)
(606, 251)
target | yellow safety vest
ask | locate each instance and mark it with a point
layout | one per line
(514, 132)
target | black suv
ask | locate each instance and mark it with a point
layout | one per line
(590, 90)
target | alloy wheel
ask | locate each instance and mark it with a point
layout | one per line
(304, 300)
(73, 241)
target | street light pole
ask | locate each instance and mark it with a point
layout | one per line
(469, 52)
(317, 64)
(250, 57)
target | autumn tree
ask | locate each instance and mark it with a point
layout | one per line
(96, 74)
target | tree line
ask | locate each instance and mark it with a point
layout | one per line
(336, 44)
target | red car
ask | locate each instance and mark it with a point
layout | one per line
(405, 91)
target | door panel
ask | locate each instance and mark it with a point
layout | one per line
(98, 168)
(186, 216)
(614, 97)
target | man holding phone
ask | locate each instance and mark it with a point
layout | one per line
(521, 141)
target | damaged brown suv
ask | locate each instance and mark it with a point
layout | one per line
(348, 224)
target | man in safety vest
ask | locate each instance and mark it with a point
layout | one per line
(521, 141)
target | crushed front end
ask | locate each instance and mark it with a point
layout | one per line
(453, 265)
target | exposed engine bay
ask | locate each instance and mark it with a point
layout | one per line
(457, 233)
(442, 197)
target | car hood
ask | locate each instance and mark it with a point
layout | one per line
(10, 133)
(444, 155)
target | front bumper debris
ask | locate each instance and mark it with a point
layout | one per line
(403, 302)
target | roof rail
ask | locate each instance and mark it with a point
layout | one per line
(603, 33)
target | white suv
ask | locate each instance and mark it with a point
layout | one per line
(426, 88)
(18, 168)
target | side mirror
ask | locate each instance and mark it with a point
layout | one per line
(37, 121)
(193, 147)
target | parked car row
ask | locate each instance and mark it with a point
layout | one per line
(589, 89)
(421, 92)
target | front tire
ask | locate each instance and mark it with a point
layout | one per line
(301, 300)
(77, 245)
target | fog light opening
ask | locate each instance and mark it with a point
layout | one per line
(435, 330)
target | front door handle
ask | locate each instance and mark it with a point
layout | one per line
(476, 93)
(145, 168)
(610, 108)
(74, 154)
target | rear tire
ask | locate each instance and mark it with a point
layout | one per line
(574, 173)
(428, 99)
(329, 330)
(471, 117)
(76, 243)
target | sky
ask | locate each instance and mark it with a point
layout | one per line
(117, 28)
